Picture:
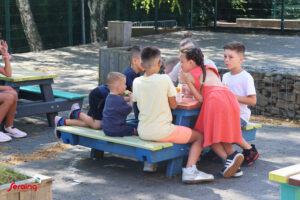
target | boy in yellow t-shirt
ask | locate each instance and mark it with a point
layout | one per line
(155, 94)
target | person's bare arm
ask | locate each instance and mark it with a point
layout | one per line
(172, 102)
(6, 70)
(189, 80)
(249, 100)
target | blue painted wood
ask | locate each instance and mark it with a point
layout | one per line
(174, 166)
(174, 154)
(289, 192)
(249, 135)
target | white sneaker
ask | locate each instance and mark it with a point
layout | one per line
(238, 173)
(193, 175)
(74, 107)
(150, 167)
(4, 137)
(56, 124)
(14, 132)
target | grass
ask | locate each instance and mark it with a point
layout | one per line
(8, 175)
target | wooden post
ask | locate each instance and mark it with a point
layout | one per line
(7, 23)
(70, 23)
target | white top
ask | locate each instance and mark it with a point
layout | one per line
(177, 69)
(241, 84)
(155, 117)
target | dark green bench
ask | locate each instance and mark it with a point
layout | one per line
(56, 93)
(62, 101)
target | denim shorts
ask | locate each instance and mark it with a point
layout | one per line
(243, 123)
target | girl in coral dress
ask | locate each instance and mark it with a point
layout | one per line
(219, 119)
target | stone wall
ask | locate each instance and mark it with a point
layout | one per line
(278, 93)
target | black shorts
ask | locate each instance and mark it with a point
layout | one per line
(96, 101)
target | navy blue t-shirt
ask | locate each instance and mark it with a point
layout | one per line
(130, 76)
(114, 117)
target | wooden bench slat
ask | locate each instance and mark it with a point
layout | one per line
(295, 180)
(251, 125)
(134, 141)
(282, 175)
(56, 93)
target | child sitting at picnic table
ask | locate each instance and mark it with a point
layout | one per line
(170, 64)
(219, 118)
(8, 100)
(133, 71)
(112, 117)
(155, 95)
(241, 84)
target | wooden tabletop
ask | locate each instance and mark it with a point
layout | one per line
(188, 104)
(20, 74)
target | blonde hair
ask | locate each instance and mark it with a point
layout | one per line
(113, 78)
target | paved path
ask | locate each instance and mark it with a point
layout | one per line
(78, 177)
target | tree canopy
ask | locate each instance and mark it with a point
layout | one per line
(147, 4)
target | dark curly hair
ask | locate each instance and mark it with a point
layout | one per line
(196, 55)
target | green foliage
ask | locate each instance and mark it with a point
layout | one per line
(8, 175)
(203, 12)
(147, 4)
(239, 4)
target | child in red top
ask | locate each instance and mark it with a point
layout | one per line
(219, 119)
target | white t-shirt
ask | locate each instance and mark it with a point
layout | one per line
(177, 69)
(241, 84)
(151, 94)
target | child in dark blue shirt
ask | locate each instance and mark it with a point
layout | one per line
(133, 71)
(116, 108)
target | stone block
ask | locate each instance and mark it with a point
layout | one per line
(119, 33)
(262, 100)
(281, 104)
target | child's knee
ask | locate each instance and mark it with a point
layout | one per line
(8, 99)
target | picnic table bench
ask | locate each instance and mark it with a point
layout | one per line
(133, 146)
(289, 179)
(41, 98)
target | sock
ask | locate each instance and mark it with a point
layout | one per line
(77, 113)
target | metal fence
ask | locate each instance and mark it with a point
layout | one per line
(58, 21)
(263, 14)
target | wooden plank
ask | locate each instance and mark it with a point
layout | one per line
(295, 180)
(19, 74)
(56, 93)
(282, 175)
(251, 125)
(134, 141)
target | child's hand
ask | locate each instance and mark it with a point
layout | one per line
(186, 77)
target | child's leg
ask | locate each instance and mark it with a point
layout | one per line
(93, 123)
(228, 147)
(75, 122)
(244, 144)
(12, 109)
(6, 101)
(196, 148)
(218, 148)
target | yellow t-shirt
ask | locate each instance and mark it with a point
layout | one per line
(155, 117)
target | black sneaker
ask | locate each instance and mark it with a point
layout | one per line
(238, 173)
(250, 155)
(232, 164)
(211, 156)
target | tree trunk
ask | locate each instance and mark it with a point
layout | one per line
(30, 29)
(97, 14)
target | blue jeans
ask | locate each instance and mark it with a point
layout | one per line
(243, 123)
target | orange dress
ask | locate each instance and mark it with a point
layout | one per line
(219, 118)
